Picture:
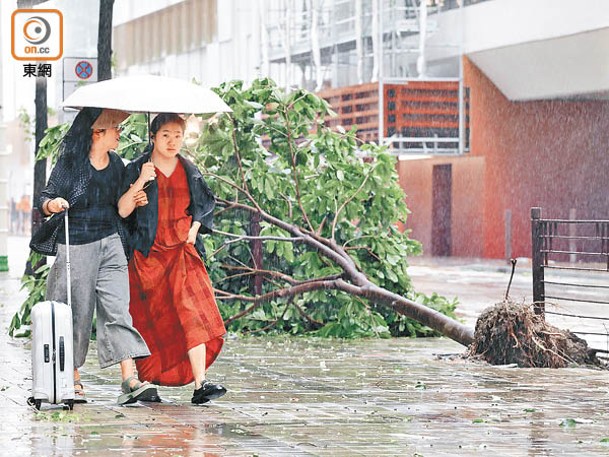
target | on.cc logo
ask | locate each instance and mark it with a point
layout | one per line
(36, 30)
(37, 34)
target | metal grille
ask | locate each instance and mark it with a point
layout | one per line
(571, 274)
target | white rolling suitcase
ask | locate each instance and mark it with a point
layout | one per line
(52, 348)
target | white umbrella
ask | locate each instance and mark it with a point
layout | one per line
(148, 93)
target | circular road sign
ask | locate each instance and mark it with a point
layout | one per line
(83, 69)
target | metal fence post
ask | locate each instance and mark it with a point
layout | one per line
(537, 258)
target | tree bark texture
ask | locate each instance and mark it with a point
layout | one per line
(40, 166)
(104, 40)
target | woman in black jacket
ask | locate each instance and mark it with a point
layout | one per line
(86, 179)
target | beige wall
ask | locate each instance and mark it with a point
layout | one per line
(415, 177)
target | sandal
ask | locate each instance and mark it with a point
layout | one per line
(141, 391)
(79, 392)
(208, 391)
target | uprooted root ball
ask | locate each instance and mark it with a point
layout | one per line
(510, 333)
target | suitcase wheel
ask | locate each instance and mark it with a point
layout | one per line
(69, 404)
(33, 402)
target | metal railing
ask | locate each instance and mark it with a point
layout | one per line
(435, 145)
(570, 266)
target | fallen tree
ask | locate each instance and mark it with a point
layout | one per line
(319, 207)
(351, 281)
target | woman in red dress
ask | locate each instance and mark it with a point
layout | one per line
(172, 300)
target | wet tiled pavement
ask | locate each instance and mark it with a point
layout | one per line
(312, 397)
(481, 283)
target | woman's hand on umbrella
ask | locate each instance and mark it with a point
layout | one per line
(147, 174)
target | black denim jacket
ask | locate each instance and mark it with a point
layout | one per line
(69, 181)
(143, 221)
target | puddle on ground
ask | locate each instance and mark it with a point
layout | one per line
(313, 397)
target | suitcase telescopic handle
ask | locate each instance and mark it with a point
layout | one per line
(69, 285)
(62, 354)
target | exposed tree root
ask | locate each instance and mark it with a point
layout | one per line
(510, 333)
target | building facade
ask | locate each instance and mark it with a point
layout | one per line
(492, 106)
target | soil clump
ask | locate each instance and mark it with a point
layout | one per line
(510, 333)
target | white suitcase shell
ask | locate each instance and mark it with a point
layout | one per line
(52, 354)
(53, 347)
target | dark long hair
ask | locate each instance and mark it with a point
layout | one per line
(165, 118)
(76, 144)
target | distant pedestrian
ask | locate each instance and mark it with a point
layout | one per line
(172, 299)
(86, 179)
(14, 217)
(25, 209)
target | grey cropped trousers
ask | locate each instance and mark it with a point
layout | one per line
(100, 283)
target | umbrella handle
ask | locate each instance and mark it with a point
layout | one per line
(150, 180)
(148, 121)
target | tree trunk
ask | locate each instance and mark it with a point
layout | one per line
(352, 281)
(40, 174)
(104, 40)
(28, 3)
(40, 166)
(40, 102)
(420, 313)
(257, 254)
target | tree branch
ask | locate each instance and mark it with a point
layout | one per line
(295, 169)
(309, 319)
(421, 313)
(346, 202)
(279, 293)
(237, 155)
(325, 247)
(252, 271)
(249, 237)
(234, 186)
(365, 248)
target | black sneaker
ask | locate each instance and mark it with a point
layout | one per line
(208, 391)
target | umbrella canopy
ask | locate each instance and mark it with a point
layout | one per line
(148, 93)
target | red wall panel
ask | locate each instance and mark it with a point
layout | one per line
(551, 153)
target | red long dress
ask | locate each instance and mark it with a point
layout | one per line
(172, 300)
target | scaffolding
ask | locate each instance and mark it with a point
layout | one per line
(331, 45)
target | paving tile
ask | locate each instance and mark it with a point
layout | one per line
(315, 397)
